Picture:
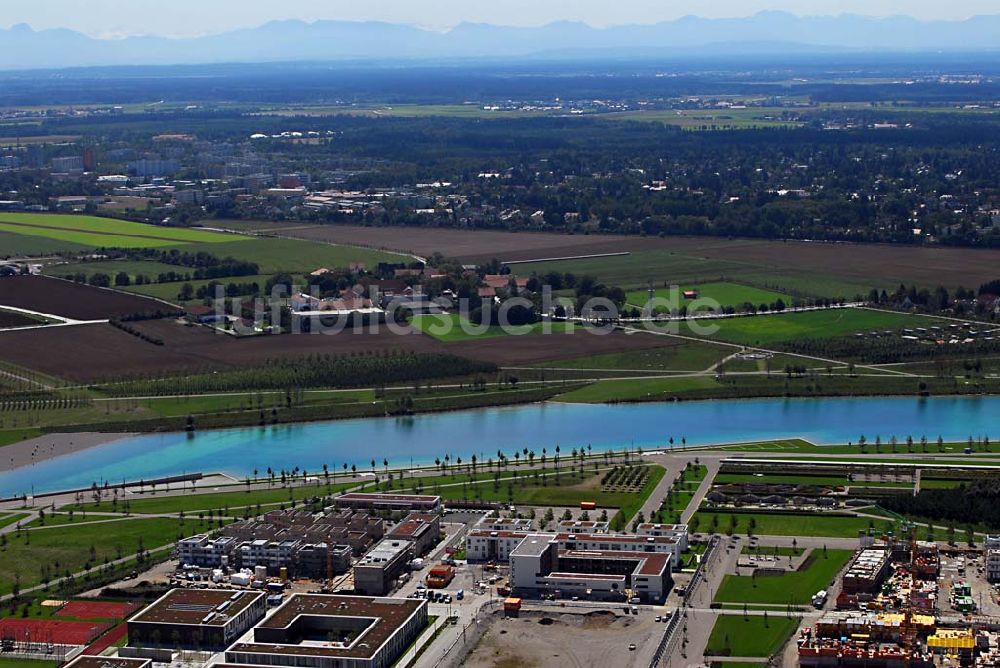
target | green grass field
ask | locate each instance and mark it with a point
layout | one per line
(725, 293)
(17, 435)
(786, 524)
(453, 327)
(683, 356)
(762, 330)
(27, 663)
(635, 390)
(235, 499)
(16, 245)
(97, 232)
(572, 490)
(67, 548)
(735, 635)
(795, 587)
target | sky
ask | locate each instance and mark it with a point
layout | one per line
(119, 18)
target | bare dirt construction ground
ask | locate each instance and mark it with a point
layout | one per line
(595, 640)
(928, 266)
(88, 353)
(71, 300)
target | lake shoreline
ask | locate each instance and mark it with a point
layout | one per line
(49, 446)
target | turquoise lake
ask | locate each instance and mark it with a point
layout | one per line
(483, 432)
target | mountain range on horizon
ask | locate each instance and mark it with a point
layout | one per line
(22, 48)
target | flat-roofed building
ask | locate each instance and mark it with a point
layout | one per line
(539, 565)
(421, 529)
(582, 526)
(506, 524)
(377, 572)
(678, 532)
(196, 619)
(91, 661)
(398, 502)
(332, 631)
(487, 545)
(622, 543)
(993, 565)
(867, 571)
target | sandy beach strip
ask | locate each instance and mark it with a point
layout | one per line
(48, 446)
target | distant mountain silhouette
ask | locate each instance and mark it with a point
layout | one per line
(766, 32)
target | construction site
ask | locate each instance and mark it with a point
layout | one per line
(891, 613)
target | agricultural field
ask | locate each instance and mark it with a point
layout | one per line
(710, 119)
(10, 319)
(765, 330)
(817, 571)
(723, 292)
(801, 268)
(20, 245)
(736, 635)
(114, 353)
(295, 256)
(677, 355)
(453, 327)
(71, 300)
(104, 232)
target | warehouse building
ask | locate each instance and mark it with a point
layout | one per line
(196, 619)
(332, 631)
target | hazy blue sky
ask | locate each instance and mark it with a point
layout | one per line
(194, 17)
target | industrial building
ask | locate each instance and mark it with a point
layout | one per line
(331, 631)
(196, 619)
(377, 572)
(394, 502)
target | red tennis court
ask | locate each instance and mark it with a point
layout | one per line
(96, 610)
(51, 631)
(108, 639)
